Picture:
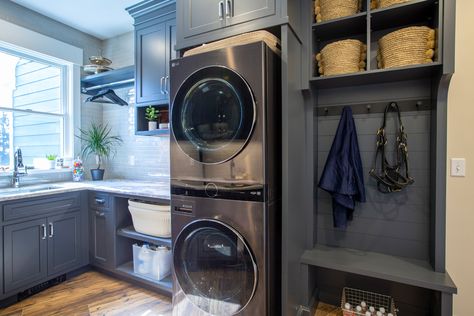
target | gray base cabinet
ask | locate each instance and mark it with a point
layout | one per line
(102, 229)
(64, 242)
(25, 253)
(43, 238)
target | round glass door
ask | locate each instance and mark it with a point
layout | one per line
(214, 267)
(213, 115)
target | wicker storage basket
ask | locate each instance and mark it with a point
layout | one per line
(409, 46)
(342, 57)
(332, 9)
(387, 3)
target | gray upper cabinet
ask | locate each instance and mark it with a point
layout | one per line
(25, 253)
(64, 242)
(201, 16)
(151, 63)
(155, 39)
(238, 11)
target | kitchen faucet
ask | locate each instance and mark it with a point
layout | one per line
(19, 168)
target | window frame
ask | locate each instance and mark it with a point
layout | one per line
(66, 106)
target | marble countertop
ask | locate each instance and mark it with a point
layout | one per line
(155, 189)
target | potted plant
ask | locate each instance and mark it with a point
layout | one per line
(98, 142)
(51, 160)
(152, 114)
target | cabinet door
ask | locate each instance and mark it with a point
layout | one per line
(170, 52)
(25, 257)
(64, 242)
(102, 238)
(200, 16)
(238, 11)
(151, 63)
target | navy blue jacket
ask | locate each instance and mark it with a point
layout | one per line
(343, 175)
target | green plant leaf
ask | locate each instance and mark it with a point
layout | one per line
(97, 141)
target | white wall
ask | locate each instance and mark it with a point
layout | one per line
(460, 206)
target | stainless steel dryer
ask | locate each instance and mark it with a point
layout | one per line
(224, 121)
(224, 257)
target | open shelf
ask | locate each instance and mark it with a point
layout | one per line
(391, 268)
(376, 76)
(405, 14)
(113, 79)
(156, 132)
(342, 27)
(127, 270)
(131, 233)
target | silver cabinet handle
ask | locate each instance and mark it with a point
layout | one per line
(228, 8)
(99, 213)
(51, 230)
(166, 85)
(221, 10)
(99, 201)
(161, 84)
(43, 227)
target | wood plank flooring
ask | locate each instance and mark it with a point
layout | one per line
(92, 294)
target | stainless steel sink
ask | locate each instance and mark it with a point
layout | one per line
(29, 189)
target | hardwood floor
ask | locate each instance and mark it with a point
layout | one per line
(92, 294)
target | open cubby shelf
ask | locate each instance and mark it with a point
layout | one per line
(131, 233)
(395, 244)
(126, 270)
(377, 265)
(141, 124)
(369, 26)
(377, 75)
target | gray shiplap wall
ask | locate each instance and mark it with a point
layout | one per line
(397, 223)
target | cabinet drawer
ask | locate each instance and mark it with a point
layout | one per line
(41, 206)
(99, 200)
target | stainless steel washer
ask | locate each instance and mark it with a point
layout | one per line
(223, 257)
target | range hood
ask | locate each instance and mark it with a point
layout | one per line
(100, 86)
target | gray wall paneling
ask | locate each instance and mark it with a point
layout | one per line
(296, 165)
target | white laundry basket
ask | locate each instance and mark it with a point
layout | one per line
(150, 218)
(150, 262)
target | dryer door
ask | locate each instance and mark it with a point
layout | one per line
(213, 115)
(215, 267)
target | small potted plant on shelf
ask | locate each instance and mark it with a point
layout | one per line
(51, 160)
(152, 115)
(98, 142)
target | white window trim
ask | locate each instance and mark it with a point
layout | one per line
(24, 41)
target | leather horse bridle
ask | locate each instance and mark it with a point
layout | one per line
(390, 179)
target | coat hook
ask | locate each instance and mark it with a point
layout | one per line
(369, 107)
(418, 105)
(326, 110)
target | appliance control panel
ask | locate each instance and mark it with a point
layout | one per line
(228, 191)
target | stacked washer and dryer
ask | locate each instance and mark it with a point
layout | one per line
(225, 171)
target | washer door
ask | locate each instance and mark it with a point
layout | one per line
(213, 115)
(215, 267)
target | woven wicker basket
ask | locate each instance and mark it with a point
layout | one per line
(342, 57)
(388, 3)
(409, 46)
(325, 10)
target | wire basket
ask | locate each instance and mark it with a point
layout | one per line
(325, 10)
(408, 46)
(342, 57)
(355, 297)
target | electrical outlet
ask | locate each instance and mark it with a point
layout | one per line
(458, 167)
(131, 160)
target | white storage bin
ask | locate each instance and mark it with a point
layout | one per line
(152, 263)
(151, 219)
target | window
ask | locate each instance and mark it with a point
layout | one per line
(33, 107)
